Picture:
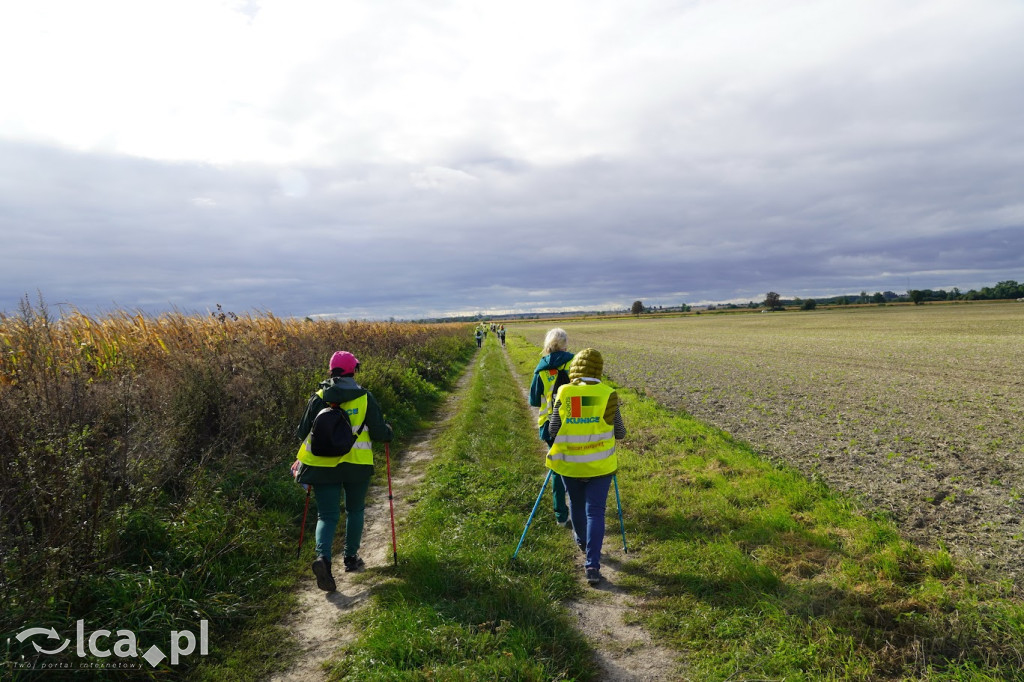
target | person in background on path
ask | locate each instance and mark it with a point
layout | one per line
(501, 335)
(479, 337)
(584, 425)
(554, 358)
(330, 476)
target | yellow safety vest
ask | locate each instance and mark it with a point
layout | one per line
(362, 449)
(585, 444)
(547, 378)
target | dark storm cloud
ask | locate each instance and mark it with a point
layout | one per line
(498, 233)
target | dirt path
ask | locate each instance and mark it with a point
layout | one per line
(316, 623)
(625, 653)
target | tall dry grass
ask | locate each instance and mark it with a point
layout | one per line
(112, 428)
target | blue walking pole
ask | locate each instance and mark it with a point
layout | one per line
(618, 503)
(529, 520)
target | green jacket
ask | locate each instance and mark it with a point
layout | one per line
(340, 390)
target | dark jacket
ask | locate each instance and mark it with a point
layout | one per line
(550, 361)
(341, 390)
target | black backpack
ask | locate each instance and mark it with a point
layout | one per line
(561, 380)
(331, 435)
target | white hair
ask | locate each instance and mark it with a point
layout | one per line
(555, 340)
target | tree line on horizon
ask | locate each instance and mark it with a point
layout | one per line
(1008, 289)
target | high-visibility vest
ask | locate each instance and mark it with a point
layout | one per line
(362, 449)
(547, 378)
(585, 444)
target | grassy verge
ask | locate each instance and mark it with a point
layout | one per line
(754, 571)
(456, 607)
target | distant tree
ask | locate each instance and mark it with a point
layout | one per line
(772, 301)
(863, 297)
(1007, 289)
(637, 308)
(841, 300)
(916, 295)
(953, 295)
(809, 304)
(879, 297)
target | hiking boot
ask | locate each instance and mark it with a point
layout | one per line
(353, 563)
(564, 524)
(594, 576)
(322, 571)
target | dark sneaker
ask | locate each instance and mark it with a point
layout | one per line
(322, 571)
(594, 576)
(353, 563)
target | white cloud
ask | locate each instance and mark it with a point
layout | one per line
(440, 178)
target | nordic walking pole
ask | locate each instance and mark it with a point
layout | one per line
(618, 503)
(535, 505)
(391, 502)
(302, 528)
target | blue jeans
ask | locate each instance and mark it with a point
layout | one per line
(587, 497)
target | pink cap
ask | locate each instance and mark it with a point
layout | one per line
(345, 361)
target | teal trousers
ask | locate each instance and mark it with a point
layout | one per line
(328, 507)
(558, 498)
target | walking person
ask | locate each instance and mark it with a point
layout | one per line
(555, 359)
(350, 474)
(585, 422)
(479, 337)
(501, 335)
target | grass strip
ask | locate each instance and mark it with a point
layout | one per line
(754, 571)
(456, 607)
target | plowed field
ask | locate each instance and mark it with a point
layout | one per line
(918, 411)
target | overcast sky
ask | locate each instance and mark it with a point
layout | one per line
(410, 159)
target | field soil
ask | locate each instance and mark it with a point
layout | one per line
(915, 411)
